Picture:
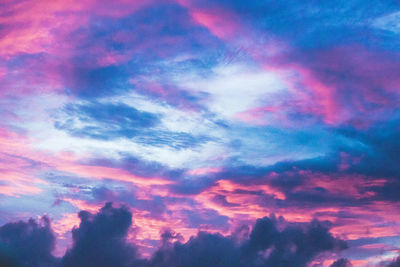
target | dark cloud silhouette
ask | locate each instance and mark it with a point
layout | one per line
(27, 244)
(6, 259)
(266, 246)
(341, 263)
(395, 263)
(101, 240)
(203, 250)
(293, 246)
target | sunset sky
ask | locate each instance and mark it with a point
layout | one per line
(195, 118)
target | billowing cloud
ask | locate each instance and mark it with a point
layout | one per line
(27, 244)
(394, 263)
(101, 239)
(341, 263)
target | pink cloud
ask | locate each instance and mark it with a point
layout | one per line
(261, 115)
(38, 25)
(320, 83)
(219, 21)
(204, 170)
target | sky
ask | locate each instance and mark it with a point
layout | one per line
(199, 133)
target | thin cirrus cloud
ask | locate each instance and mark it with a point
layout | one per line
(201, 117)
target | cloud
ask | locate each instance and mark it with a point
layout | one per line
(341, 263)
(88, 81)
(390, 22)
(295, 104)
(203, 250)
(395, 263)
(110, 121)
(293, 246)
(27, 244)
(266, 246)
(295, 21)
(105, 121)
(100, 239)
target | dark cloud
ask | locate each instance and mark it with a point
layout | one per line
(341, 263)
(100, 239)
(379, 158)
(27, 244)
(6, 260)
(203, 250)
(395, 263)
(266, 246)
(293, 246)
(370, 155)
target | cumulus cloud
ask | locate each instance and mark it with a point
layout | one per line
(395, 263)
(27, 244)
(293, 246)
(266, 246)
(101, 240)
(341, 263)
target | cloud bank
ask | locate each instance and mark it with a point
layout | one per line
(101, 240)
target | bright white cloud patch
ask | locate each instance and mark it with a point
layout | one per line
(389, 22)
(234, 88)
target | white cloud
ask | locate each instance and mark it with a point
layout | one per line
(389, 22)
(234, 88)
